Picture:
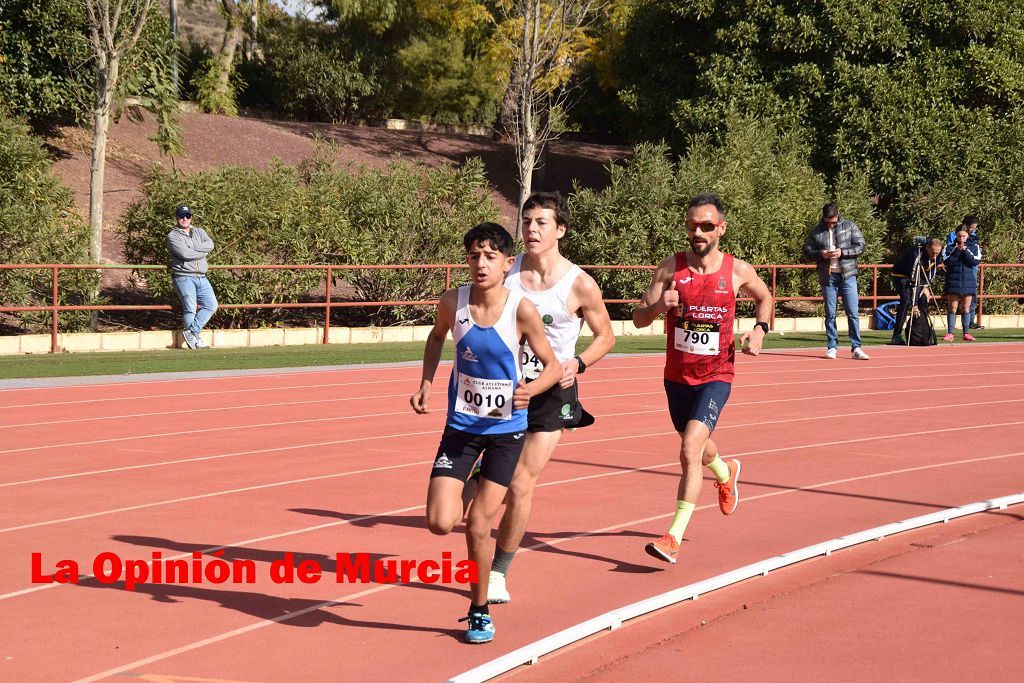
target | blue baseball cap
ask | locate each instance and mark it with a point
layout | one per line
(183, 212)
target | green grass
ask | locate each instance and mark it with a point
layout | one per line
(138, 362)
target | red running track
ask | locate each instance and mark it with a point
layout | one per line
(335, 461)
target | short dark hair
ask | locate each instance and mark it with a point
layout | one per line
(489, 233)
(549, 200)
(829, 210)
(707, 199)
(970, 219)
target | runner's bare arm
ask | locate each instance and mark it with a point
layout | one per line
(531, 327)
(746, 278)
(432, 351)
(660, 296)
(595, 313)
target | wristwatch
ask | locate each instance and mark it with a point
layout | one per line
(763, 326)
(583, 366)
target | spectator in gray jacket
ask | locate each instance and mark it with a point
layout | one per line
(835, 243)
(189, 246)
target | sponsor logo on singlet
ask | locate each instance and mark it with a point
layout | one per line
(468, 355)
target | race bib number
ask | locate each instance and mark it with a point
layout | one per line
(698, 338)
(531, 365)
(490, 398)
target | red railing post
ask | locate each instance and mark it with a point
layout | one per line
(447, 278)
(53, 333)
(327, 305)
(771, 323)
(874, 286)
(981, 292)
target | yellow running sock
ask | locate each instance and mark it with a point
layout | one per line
(682, 518)
(719, 469)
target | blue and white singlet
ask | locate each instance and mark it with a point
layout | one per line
(486, 371)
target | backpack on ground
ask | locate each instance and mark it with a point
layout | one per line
(922, 332)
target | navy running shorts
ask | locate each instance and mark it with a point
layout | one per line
(701, 402)
(459, 451)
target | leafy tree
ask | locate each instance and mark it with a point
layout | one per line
(773, 197)
(904, 85)
(38, 224)
(43, 52)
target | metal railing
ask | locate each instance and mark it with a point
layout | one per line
(330, 271)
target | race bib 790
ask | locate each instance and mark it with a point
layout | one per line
(698, 338)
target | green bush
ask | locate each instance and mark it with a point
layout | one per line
(38, 224)
(316, 214)
(438, 81)
(772, 196)
(307, 72)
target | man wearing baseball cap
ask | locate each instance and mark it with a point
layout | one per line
(189, 246)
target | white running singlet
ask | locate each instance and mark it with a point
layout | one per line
(561, 327)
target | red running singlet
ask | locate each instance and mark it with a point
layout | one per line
(701, 348)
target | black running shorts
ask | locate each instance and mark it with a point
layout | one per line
(557, 409)
(459, 451)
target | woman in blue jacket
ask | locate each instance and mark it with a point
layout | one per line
(960, 259)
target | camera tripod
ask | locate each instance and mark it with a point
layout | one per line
(921, 280)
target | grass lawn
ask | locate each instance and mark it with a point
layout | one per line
(138, 362)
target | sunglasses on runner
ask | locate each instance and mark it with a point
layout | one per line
(702, 226)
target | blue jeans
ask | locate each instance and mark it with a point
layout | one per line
(192, 290)
(832, 290)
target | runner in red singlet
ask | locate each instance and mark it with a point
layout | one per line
(697, 290)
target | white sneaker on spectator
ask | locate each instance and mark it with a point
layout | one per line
(860, 354)
(200, 344)
(189, 338)
(831, 354)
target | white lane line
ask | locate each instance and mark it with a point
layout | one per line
(263, 623)
(164, 463)
(273, 424)
(208, 430)
(214, 494)
(830, 369)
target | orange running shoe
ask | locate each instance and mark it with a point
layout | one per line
(665, 548)
(729, 493)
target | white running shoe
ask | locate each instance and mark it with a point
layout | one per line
(831, 354)
(860, 354)
(497, 593)
(200, 344)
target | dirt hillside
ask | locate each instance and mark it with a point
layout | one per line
(212, 141)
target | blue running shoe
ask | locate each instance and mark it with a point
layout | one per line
(480, 630)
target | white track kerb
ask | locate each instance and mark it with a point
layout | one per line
(531, 654)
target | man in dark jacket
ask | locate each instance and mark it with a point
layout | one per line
(927, 256)
(189, 246)
(835, 244)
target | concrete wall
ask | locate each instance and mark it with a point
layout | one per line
(153, 340)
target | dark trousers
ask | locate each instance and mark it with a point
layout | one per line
(905, 290)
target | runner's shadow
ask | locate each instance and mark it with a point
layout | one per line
(296, 612)
(532, 539)
(328, 565)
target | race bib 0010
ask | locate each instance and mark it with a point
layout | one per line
(698, 338)
(489, 398)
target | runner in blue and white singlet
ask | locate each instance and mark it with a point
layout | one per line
(486, 371)
(487, 402)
